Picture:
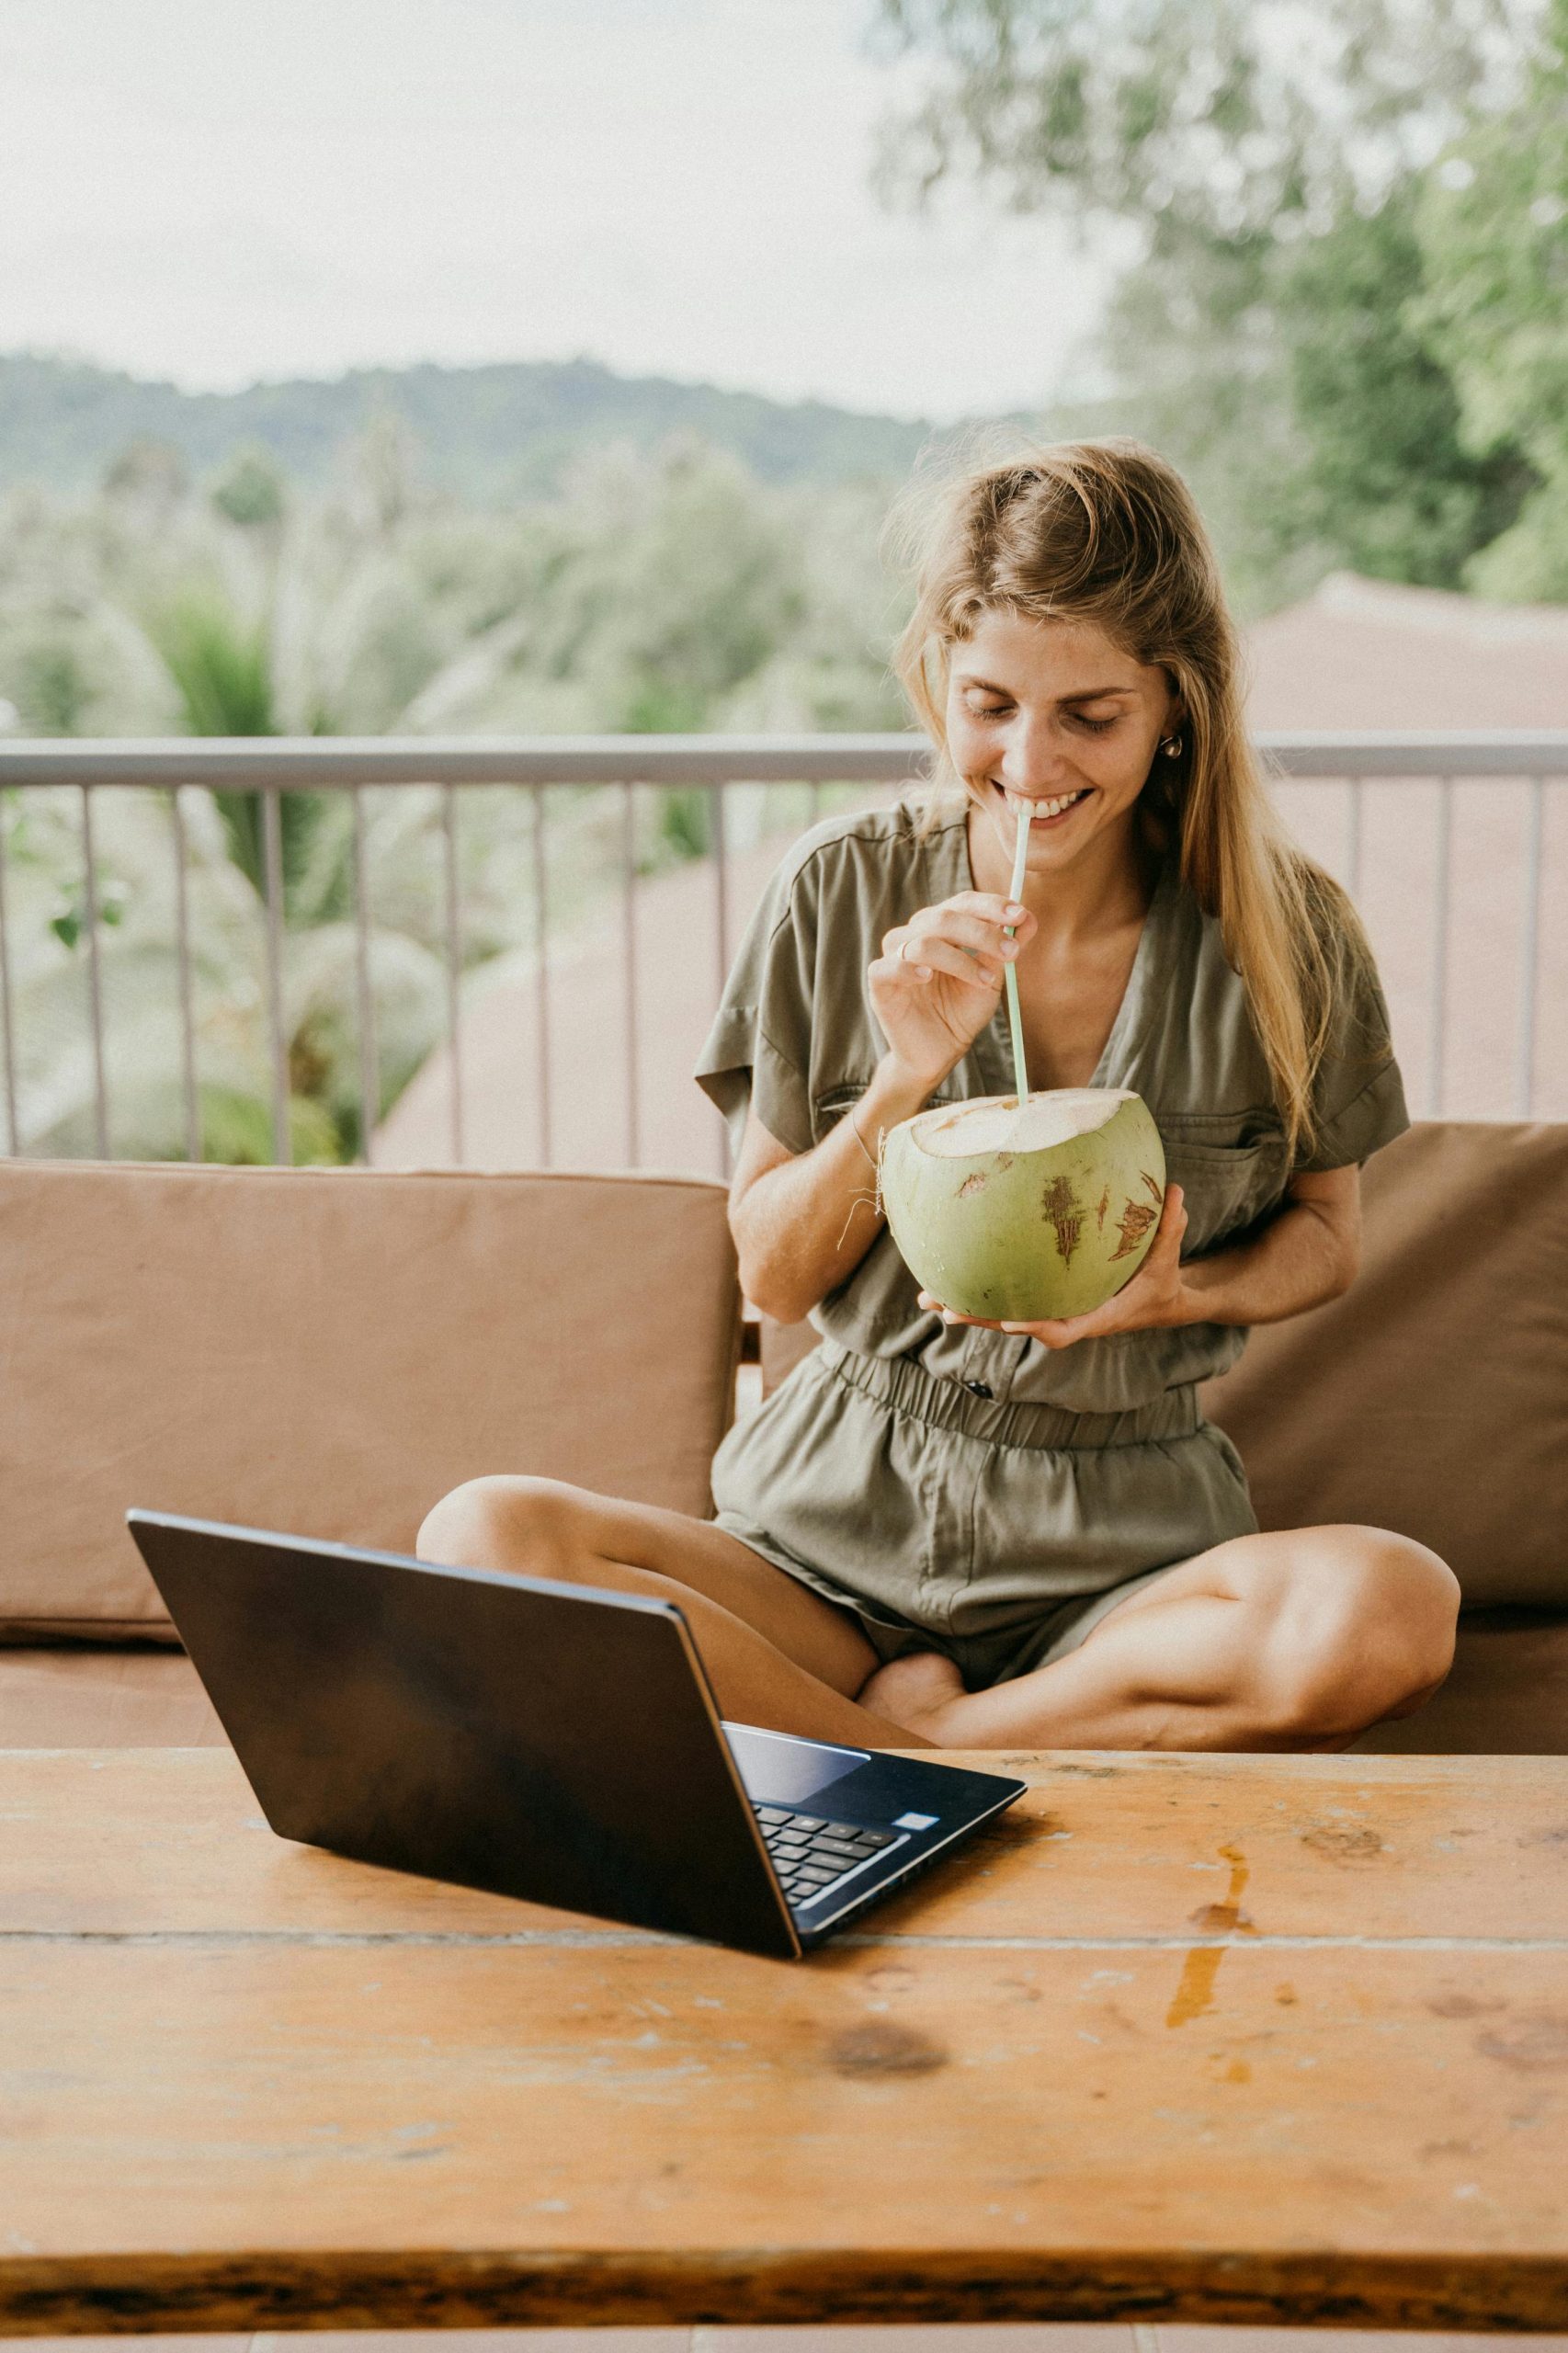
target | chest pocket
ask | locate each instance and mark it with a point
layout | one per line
(830, 1105)
(1226, 1187)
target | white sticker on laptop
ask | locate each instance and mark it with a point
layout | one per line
(918, 1820)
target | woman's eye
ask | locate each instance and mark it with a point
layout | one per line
(1093, 726)
(987, 710)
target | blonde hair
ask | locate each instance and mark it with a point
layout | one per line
(1106, 532)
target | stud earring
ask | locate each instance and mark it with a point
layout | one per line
(1171, 746)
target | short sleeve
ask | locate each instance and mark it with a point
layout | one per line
(1357, 1093)
(759, 1051)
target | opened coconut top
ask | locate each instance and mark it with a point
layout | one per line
(999, 1123)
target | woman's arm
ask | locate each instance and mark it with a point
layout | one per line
(802, 1221)
(1308, 1253)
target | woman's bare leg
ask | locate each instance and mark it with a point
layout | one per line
(1297, 1639)
(776, 1653)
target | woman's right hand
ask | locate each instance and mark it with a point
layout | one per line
(937, 982)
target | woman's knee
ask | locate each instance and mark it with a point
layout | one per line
(1366, 1632)
(506, 1523)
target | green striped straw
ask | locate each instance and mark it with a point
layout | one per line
(1015, 1019)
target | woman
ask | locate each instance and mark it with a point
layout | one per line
(969, 1535)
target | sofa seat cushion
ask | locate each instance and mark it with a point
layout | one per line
(84, 1698)
(1506, 1697)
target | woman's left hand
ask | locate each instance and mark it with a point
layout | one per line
(1156, 1296)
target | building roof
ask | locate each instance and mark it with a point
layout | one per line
(1368, 654)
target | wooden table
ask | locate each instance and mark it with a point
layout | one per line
(1220, 2039)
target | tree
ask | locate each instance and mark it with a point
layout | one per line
(1493, 221)
(1265, 159)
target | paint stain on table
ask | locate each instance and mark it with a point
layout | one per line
(1195, 1994)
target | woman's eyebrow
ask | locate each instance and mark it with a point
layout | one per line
(1083, 694)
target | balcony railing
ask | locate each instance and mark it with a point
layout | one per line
(1380, 809)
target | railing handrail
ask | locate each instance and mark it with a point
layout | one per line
(325, 763)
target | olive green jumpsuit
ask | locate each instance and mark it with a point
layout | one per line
(969, 1490)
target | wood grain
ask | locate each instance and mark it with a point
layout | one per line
(1235, 2039)
(171, 1839)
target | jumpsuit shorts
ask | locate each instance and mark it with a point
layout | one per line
(998, 1534)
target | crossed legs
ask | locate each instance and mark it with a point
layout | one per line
(1297, 1639)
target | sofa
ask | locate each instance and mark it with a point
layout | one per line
(326, 1351)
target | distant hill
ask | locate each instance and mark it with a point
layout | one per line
(494, 433)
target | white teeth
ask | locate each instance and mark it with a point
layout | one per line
(1017, 801)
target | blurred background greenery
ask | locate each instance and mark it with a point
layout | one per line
(1341, 305)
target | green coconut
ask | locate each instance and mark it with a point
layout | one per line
(1020, 1213)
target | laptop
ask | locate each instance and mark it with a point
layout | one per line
(554, 1741)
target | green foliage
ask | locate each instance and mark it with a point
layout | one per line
(1244, 118)
(250, 490)
(220, 666)
(222, 670)
(1493, 221)
(656, 591)
(1385, 480)
(1302, 327)
(490, 437)
(685, 822)
(51, 688)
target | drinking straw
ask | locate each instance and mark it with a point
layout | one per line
(1015, 1019)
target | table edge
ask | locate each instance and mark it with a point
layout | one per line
(106, 2294)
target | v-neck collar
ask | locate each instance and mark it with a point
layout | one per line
(993, 1049)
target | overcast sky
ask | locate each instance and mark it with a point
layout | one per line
(218, 190)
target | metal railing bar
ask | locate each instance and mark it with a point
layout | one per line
(722, 935)
(272, 877)
(541, 978)
(1529, 952)
(1353, 829)
(629, 965)
(1436, 1036)
(369, 1078)
(94, 977)
(7, 1017)
(315, 764)
(454, 969)
(193, 1143)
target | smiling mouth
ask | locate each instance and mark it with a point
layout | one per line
(1044, 811)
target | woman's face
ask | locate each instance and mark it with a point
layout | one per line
(1050, 717)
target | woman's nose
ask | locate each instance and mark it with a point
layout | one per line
(1032, 757)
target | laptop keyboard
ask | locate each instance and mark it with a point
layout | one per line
(811, 1854)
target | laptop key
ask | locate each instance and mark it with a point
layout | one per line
(818, 1874)
(807, 1822)
(773, 1814)
(874, 1838)
(826, 1845)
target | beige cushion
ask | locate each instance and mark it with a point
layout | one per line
(1507, 1695)
(327, 1351)
(1433, 1397)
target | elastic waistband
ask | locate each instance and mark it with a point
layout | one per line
(907, 1388)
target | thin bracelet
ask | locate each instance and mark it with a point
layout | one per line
(860, 1140)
